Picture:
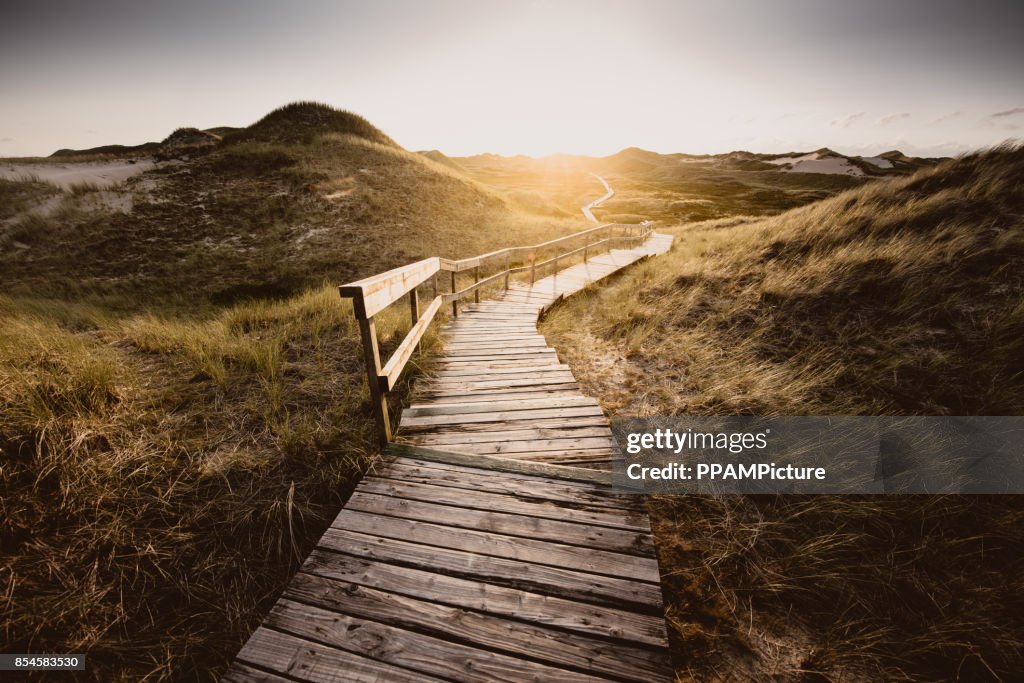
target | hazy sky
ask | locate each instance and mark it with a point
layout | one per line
(924, 76)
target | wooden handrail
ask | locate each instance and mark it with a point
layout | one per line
(389, 373)
(373, 294)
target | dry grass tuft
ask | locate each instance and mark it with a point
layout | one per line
(162, 477)
(183, 405)
(899, 297)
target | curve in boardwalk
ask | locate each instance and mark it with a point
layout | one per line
(501, 390)
(609, 193)
(478, 548)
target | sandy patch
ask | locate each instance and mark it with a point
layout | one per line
(309, 234)
(336, 188)
(103, 174)
(878, 161)
(812, 163)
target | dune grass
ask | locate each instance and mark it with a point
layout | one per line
(267, 219)
(18, 196)
(901, 297)
(183, 404)
(163, 475)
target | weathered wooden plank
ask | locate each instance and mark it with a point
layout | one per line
(488, 330)
(499, 406)
(469, 363)
(452, 345)
(395, 645)
(493, 544)
(510, 435)
(527, 485)
(566, 458)
(508, 524)
(481, 378)
(496, 306)
(552, 455)
(469, 322)
(560, 367)
(465, 385)
(240, 673)
(488, 598)
(540, 504)
(308, 661)
(503, 465)
(597, 589)
(496, 317)
(563, 444)
(489, 337)
(438, 392)
(521, 393)
(491, 355)
(512, 415)
(545, 372)
(489, 639)
(482, 365)
(411, 431)
(500, 351)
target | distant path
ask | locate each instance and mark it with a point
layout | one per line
(587, 209)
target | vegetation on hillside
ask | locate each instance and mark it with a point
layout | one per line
(302, 122)
(673, 188)
(265, 217)
(183, 406)
(901, 297)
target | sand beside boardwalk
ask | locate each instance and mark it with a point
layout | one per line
(103, 174)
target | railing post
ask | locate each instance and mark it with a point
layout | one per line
(508, 267)
(371, 355)
(455, 303)
(414, 305)
(554, 271)
(533, 268)
(586, 250)
(476, 278)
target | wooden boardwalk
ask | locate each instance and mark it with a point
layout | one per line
(485, 545)
(501, 390)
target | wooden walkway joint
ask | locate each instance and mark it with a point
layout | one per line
(485, 545)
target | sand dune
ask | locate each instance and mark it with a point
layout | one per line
(103, 174)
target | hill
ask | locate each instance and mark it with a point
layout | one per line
(894, 298)
(669, 188)
(302, 122)
(305, 193)
(183, 408)
(444, 160)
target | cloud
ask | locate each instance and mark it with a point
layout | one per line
(1009, 112)
(893, 118)
(848, 121)
(945, 118)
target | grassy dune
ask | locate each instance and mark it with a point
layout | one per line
(665, 188)
(183, 405)
(900, 297)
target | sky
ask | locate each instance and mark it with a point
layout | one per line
(928, 77)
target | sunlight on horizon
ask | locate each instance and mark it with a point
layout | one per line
(534, 78)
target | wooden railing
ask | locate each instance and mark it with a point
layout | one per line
(372, 295)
